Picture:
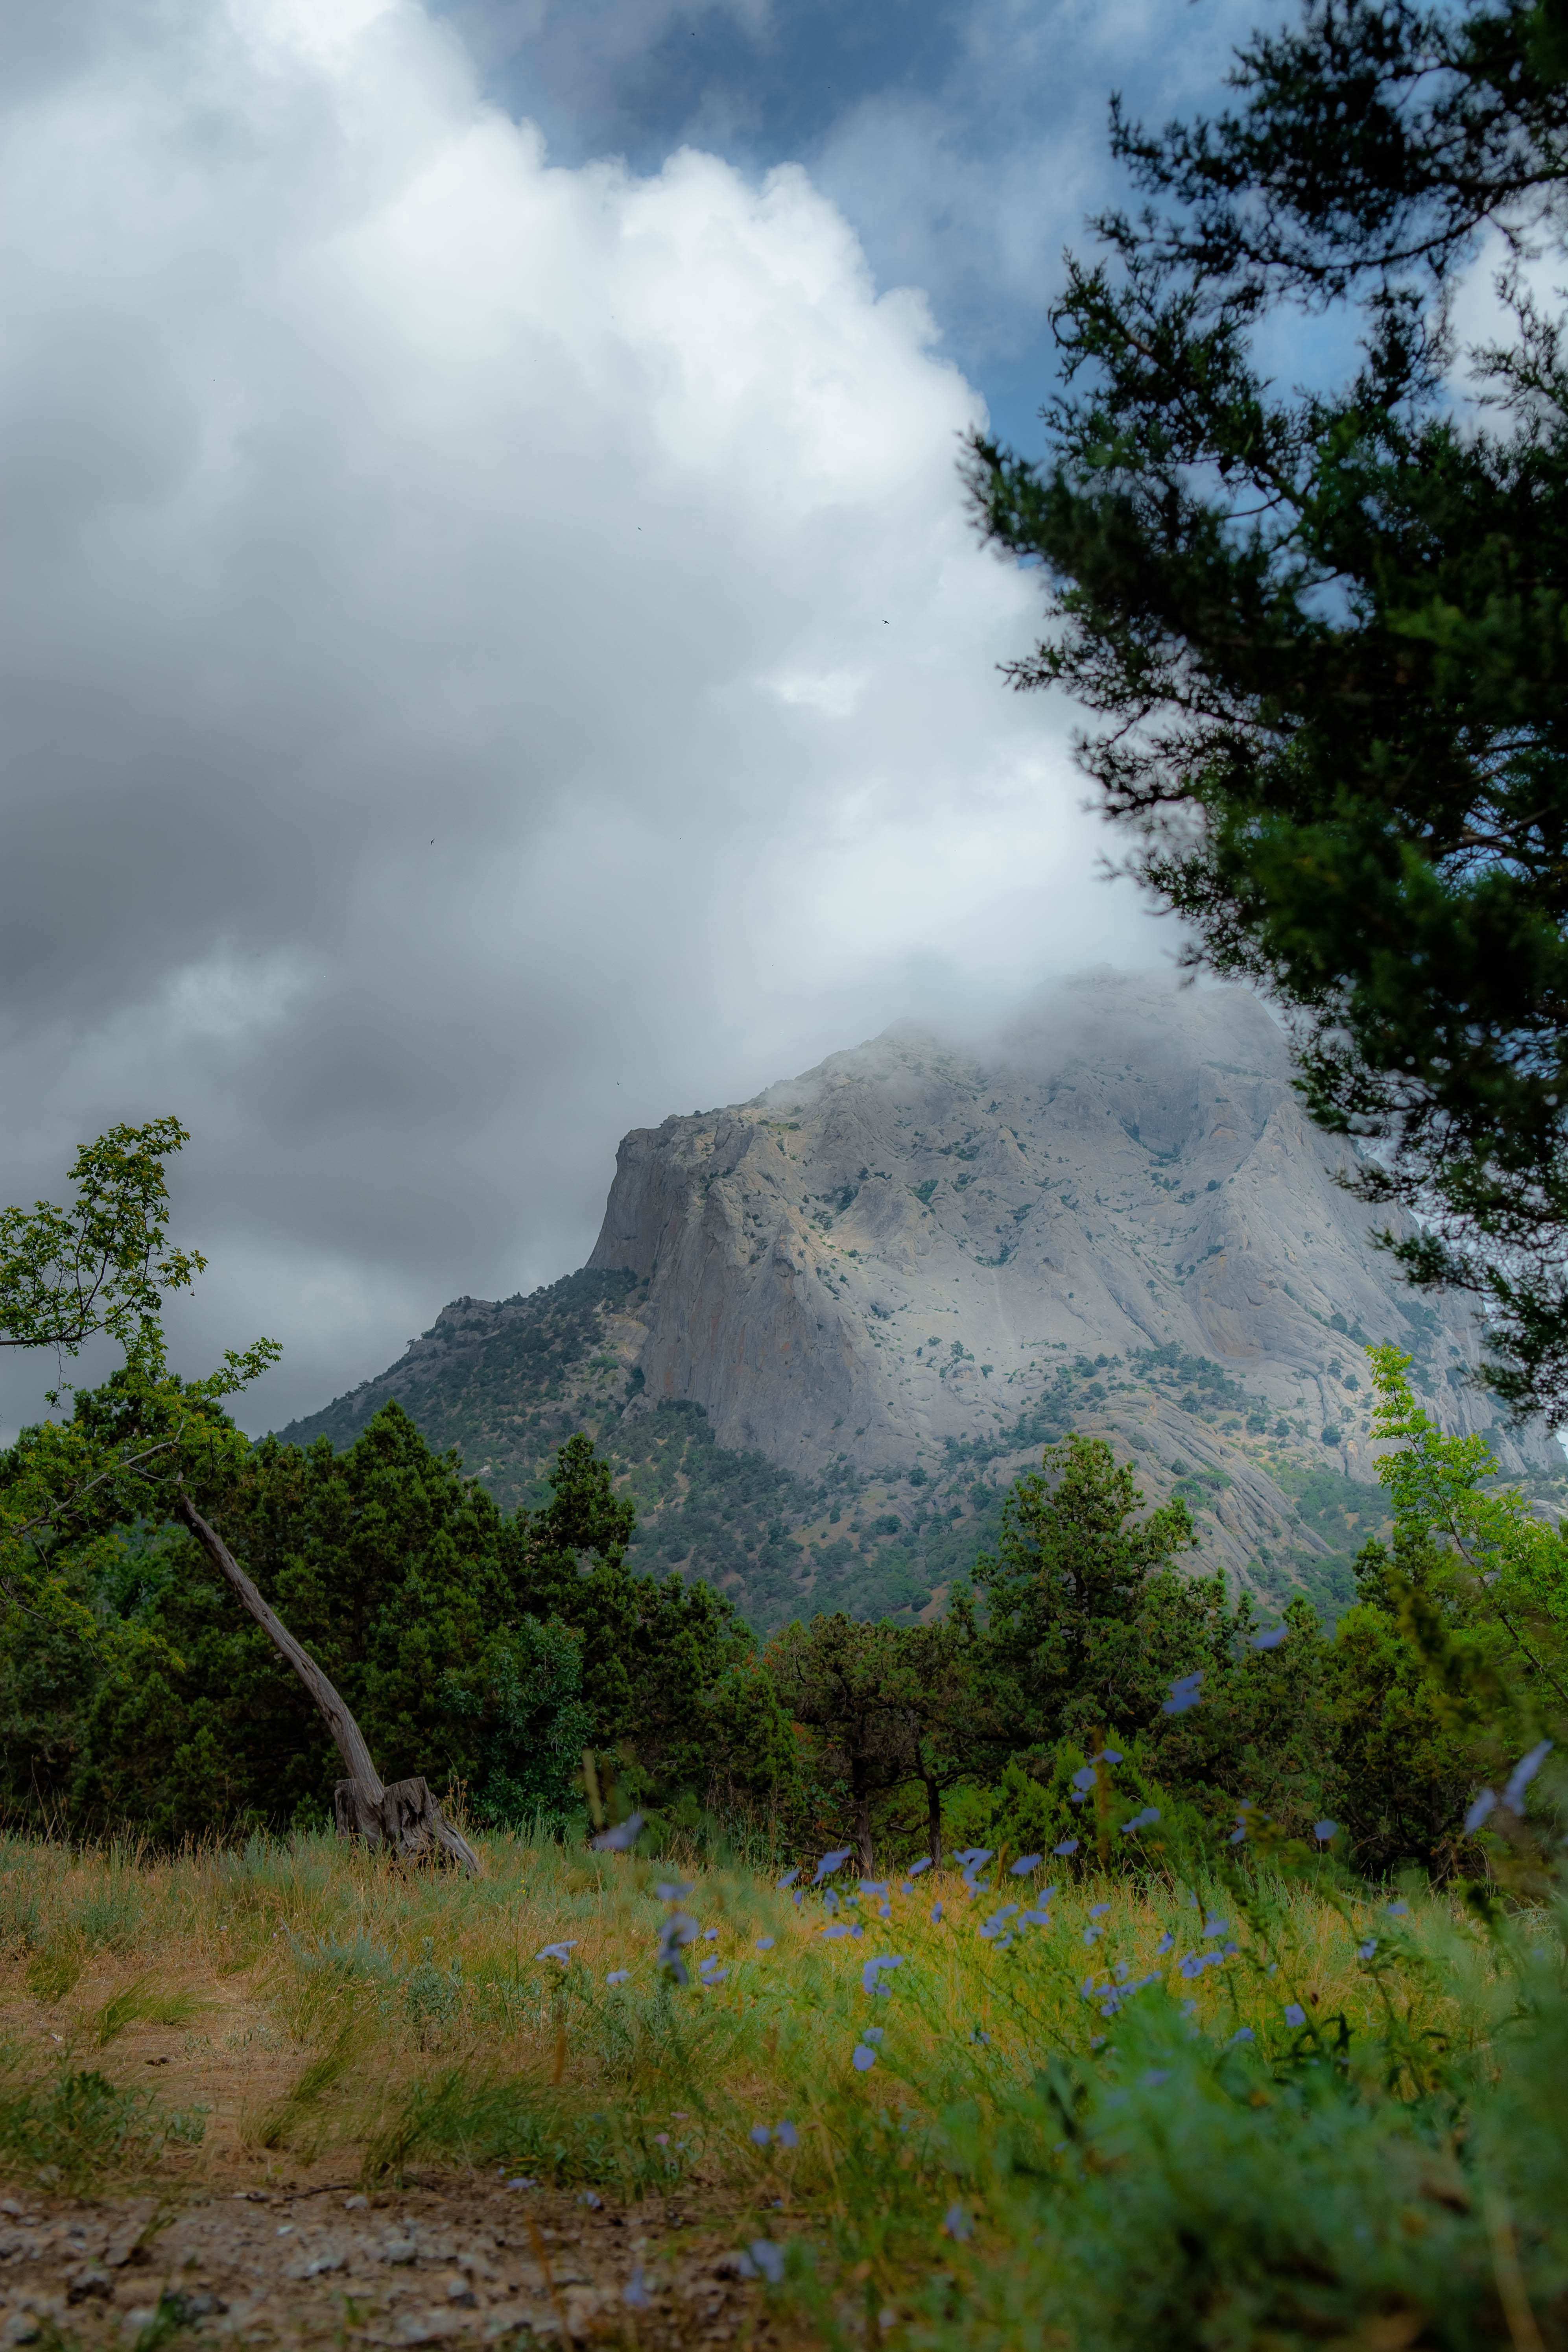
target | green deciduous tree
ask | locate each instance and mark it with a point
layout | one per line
(1327, 629)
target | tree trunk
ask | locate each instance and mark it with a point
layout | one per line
(862, 1808)
(405, 1816)
(933, 1821)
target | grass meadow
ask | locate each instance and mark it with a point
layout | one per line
(1252, 2110)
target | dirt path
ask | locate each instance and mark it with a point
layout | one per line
(470, 2261)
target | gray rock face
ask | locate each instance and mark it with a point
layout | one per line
(904, 1244)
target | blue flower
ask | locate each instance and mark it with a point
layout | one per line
(788, 1879)
(861, 2059)
(935, 1913)
(1216, 1927)
(839, 1927)
(1399, 1910)
(619, 1976)
(562, 1952)
(1484, 1805)
(1272, 1639)
(787, 2135)
(1165, 1942)
(620, 1839)
(957, 2224)
(1364, 1951)
(1294, 2014)
(1068, 1845)
(871, 1974)
(1098, 1910)
(1191, 1965)
(1244, 2033)
(1092, 1935)
(710, 1935)
(874, 2033)
(1155, 2077)
(832, 1862)
(873, 1886)
(672, 1893)
(635, 2294)
(1523, 1773)
(1036, 1918)
(760, 2134)
(1111, 1755)
(1185, 1691)
(765, 1943)
(769, 2259)
(1085, 1778)
(1324, 1830)
(916, 1867)
(1026, 1862)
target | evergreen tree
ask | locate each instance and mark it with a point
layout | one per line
(1329, 628)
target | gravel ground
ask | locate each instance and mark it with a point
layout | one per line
(457, 2261)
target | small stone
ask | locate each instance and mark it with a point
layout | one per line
(355, 2204)
(398, 2250)
(459, 2290)
(89, 2280)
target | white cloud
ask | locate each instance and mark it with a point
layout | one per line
(494, 654)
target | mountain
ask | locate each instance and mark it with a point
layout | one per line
(821, 1330)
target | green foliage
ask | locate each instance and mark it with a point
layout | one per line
(102, 1264)
(1325, 628)
(1087, 1617)
(527, 1693)
(471, 1648)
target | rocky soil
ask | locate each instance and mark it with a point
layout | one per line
(470, 2260)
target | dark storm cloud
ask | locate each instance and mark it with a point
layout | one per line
(494, 653)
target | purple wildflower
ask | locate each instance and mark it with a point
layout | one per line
(1185, 1691)
(562, 1952)
(874, 2033)
(1216, 1927)
(620, 1839)
(935, 1913)
(862, 2059)
(769, 2259)
(1271, 1639)
(1244, 2033)
(1364, 1951)
(1098, 1910)
(1399, 1910)
(873, 1886)
(1324, 1830)
(788, 1879)
(1155, 2077)
(1523, 1773)
(1165, 1942)
(619, 1976)
(1110, 1755)
(832, 1862)
(957, 2224)
(765, 1943)
(1294, 2014)
(916, 1867)
(839, 1927)
(760, 2134)
(1068, 1845)
(787, 2135)
(873, 1972)
(1085, 1778)
(1485, 1804)
(1026, 1862)
(635, 2294)
(1036, 1918)
(671, 1894)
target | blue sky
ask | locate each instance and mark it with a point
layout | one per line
(965, 143)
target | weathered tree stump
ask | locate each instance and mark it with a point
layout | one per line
(405, 1817)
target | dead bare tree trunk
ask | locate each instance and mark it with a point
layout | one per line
(405, 1816)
